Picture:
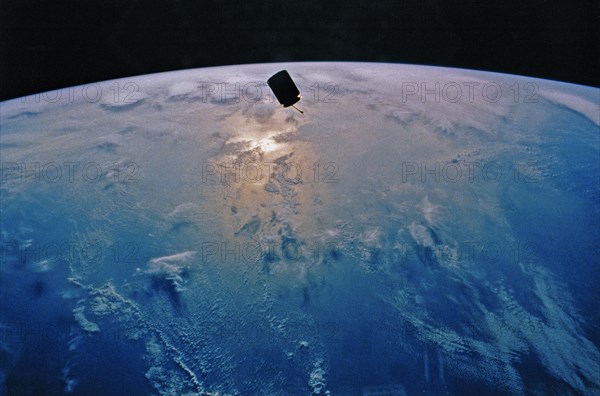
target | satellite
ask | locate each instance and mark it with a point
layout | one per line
(284, 89)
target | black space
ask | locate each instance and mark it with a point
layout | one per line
(53, 44)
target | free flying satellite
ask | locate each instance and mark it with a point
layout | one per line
(285, 90)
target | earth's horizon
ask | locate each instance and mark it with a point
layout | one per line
(419, 230)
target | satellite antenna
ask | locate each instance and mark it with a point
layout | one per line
(284, 89)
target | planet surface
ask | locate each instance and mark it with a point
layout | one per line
(419, 230)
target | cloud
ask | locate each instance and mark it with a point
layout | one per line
(171, 268)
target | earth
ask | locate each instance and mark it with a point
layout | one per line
(419, 230)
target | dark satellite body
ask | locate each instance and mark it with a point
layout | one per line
(284, 89)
